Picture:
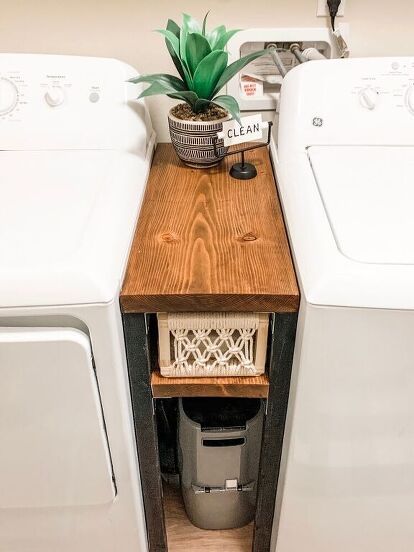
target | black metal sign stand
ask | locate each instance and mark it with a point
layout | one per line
(243, 170)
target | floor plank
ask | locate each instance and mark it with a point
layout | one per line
(183, 536)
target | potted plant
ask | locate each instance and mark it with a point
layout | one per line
(202, 64)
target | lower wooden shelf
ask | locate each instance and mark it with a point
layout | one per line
(245, 387)
(183, 535)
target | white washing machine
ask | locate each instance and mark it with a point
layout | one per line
(345, 169)
(75, 151)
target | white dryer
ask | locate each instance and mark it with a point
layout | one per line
(75, 151)
(345, 170)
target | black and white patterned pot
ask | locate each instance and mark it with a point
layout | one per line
(193, 141)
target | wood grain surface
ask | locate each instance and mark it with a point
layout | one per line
(248, 387)
(182, 535)
(207, 242)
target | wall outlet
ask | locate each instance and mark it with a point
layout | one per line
(323, 10)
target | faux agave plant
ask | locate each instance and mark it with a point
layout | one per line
(202, 63)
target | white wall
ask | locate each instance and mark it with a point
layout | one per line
(123, 28)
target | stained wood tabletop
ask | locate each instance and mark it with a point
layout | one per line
(207, 242)
(247, 387)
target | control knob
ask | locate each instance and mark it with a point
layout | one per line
(55, 96)
(9, 96)
(368, 98)
(409, 99)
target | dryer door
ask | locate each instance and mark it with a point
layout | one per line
(53, 445)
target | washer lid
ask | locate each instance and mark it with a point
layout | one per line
(66, 224)
(368, 195)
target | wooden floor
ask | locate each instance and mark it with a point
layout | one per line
(184, 537)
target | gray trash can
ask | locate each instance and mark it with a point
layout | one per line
(219, 444)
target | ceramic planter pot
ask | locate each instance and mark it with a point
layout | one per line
(193, 141)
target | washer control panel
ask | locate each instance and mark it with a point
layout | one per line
(392, 86)
(368, 97)
(357, 101)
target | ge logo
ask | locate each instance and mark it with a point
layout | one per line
(317, 121)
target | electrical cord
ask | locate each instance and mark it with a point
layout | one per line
(333, 6)
(342, 46)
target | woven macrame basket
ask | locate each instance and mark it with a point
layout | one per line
(212, 344)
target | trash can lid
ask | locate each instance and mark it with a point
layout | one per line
(220, 413)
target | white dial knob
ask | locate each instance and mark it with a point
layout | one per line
(9, 96)
(55, 96)
(409, 99)
(368, 98)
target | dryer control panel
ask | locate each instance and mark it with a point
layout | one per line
(19, 88)
(68, 102)
(9, 95)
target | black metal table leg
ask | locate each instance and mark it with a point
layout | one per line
(280, 369)
(139, 369)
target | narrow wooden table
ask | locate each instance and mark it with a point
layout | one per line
(207, 242)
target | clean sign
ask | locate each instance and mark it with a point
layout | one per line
(250, 129)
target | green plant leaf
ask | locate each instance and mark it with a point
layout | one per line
(222, 41)
(215, 35)
(187, 96)
(174, 83)
(172, 39)
(160, 84)
(201, 105)
(235, 67)
(205, 23)
(175, 29)
(197, 49)
(208, 73)
(174, 42)
(188, 77)
(156, 88)
(229, 104)
(183, 44)
(190, 24)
